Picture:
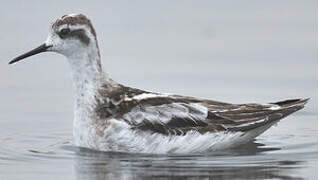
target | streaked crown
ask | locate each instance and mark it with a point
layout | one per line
(74, 26)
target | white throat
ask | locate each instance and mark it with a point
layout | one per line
(86, 72)
(88, 78)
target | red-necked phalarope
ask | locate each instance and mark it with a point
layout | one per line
(111, 117)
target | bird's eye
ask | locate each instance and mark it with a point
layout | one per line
(64, 32)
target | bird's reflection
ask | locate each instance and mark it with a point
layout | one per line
(239, 163)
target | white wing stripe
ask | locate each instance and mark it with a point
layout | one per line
(145, 96)
(162, 114)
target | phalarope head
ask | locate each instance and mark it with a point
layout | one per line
(70, 35)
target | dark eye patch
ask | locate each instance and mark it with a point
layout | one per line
(76, 34)
(64, 33)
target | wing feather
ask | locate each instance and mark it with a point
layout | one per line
(171, 114)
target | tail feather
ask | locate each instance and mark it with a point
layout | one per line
(286, 108)
(292, 102)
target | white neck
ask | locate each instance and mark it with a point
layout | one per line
(88, 76)
(86, 73)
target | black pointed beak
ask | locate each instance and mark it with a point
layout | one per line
(35, 51)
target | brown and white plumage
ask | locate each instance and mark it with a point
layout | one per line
(112, 117)
(176, 115)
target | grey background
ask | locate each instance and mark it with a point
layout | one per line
(232, 51)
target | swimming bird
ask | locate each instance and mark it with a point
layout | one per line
(109, 116)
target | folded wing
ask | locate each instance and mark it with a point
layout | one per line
(176, 115)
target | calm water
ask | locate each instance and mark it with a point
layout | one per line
(243, 52)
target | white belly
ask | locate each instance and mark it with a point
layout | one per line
(119, 137)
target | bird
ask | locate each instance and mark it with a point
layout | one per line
(112, 117)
